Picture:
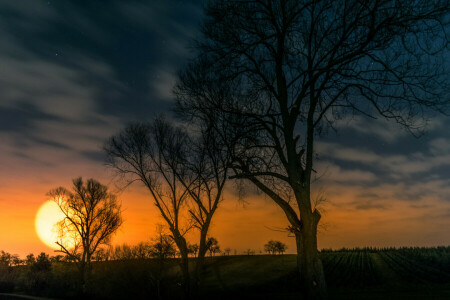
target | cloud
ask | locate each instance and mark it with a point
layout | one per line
(71, 81)
(383, 129)
(365, 205)
(391, 164)
(388, 131)
(440, 146)
(333, 173)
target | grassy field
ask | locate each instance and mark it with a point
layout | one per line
(406, 273)
(358, 274)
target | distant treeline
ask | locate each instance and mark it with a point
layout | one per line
(378, 249)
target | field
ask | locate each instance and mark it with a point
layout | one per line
(405, 273)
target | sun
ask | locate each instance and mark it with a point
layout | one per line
(47, 216)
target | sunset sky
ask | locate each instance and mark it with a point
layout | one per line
(72, 73)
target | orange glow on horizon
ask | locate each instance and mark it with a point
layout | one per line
(236, 225)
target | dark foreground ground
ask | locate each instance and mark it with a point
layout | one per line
(358, 274)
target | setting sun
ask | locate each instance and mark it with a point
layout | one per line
(46, 218)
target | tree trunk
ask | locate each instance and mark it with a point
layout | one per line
(200, 260)
(186, 277)
(310, 266)
(182, 246)
(83, 276)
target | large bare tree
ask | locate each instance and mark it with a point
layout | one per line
(91, 216)
(207, 164)
(154, 153)
(280, 71)
(185, 173)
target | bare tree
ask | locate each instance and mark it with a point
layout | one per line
(193, 249)
(270, 247)
(206, 166)
(162, 247)
(249, 252)
(91, 216)
(195, 165)
(280, 247)
(212, 245)
(153, 153)
(280, 72)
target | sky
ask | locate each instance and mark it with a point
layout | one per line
(73, 73)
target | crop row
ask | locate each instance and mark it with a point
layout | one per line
(350, 268)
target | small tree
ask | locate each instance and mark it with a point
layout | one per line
(162, 247)
(16, 261)
(123, 252)
(280, 247)
(141, 250)
(212, 245)
(42, 263)
(56, 258)
(39, 273)
(193, 249)
(227, 251)
(91, 216)
(249, 252)
(30, 259)
(101, 254)
(270, 247)
(5, 258)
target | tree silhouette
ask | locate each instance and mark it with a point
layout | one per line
(280, 247)
(270, 247)
(278, 73)
(30, 259)
(154, 153)
(212, 245)
(42, 263)
(180, 170)
(162, 247)
(193, 249)
(273, 247)
(91, 216)
(204, 174)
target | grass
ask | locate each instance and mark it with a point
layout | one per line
(359, 274)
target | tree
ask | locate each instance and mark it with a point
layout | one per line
(123, 252)
(249, 252)
(91, 216)
(153, 153)
(280, 72)
(227, 251)
(56, 258)
(212, 245)
(16, 261)
(162, 247)
(204, 174)
(30, 259)
(193, 249)
(270, 247)
(192, 168)
(142, 250)
(42, 263)
(280, 247)
(5, 258)
(273, 247)
(101, 254)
